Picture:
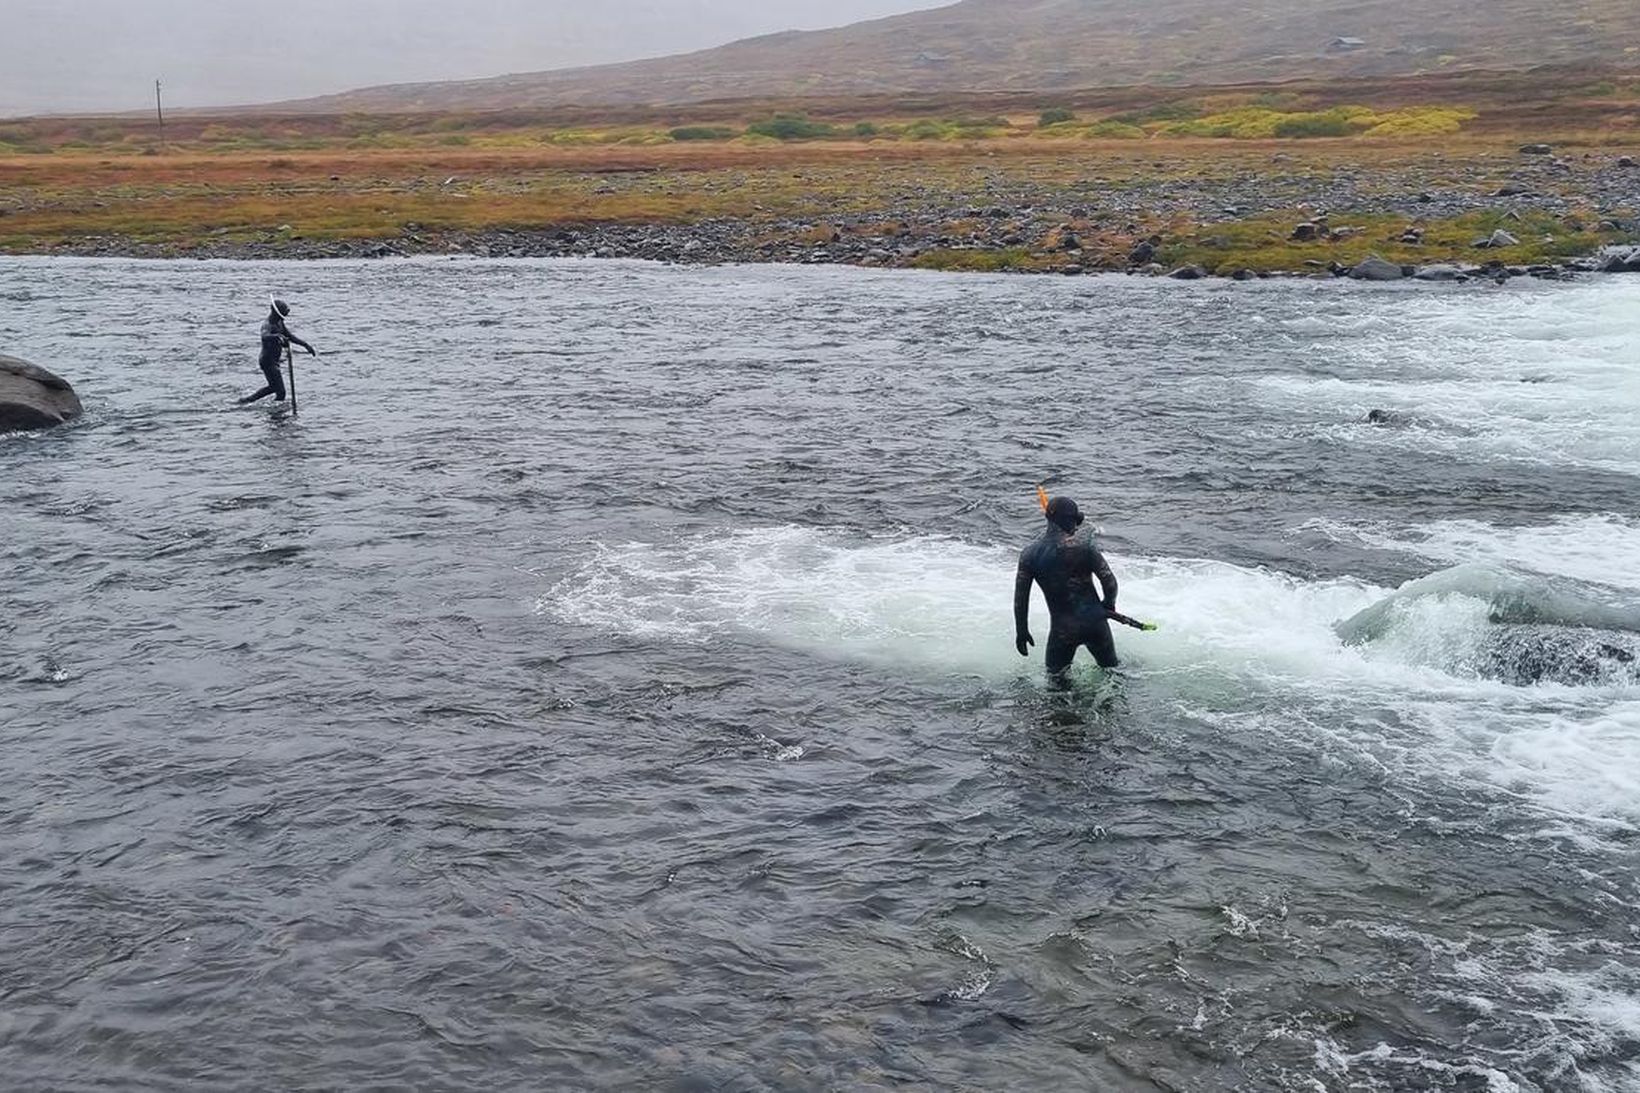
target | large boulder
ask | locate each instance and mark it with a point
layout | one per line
(32, 398)
(1376, 269)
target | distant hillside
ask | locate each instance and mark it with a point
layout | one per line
(979, 45)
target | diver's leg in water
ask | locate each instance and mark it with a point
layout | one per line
(1059, 656)
(1102, 645)
(275, 387)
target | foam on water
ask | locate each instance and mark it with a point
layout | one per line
(942, 608)
(1542, 378)
(1594, 547)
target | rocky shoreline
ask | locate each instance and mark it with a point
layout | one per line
(716, 243)
(1094, 225)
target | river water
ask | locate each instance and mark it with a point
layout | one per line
(607, 681)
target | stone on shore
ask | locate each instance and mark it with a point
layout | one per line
(1499, 238)
(1188, 273)
(1536, 150)
(1306, 232)
(1619, 260)
(1376, 269)
(1439, 272)
(32, 398)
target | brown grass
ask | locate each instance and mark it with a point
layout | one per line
(188, 193)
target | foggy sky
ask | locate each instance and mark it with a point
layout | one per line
(86, 55)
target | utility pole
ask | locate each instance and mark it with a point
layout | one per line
(159, 110)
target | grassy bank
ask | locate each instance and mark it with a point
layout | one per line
(1218, 177)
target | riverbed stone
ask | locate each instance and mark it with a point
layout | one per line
(1188, 273)
(32, 398)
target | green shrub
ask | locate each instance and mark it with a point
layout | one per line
(954, 128)
(1055, 115)
(1314, 125)
(864, 129)
(703, 132)
(1256, 123)
(1114, 130)
(1425, 121)
(790, 127)
(927, 130)
(1164, 111)
(975, 261)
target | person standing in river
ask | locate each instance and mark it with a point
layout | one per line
(276, 336)
(1064, 561)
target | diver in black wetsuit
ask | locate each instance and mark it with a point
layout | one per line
(1065, 561)
(275, 337)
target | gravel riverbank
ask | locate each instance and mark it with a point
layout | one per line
(1163, 225)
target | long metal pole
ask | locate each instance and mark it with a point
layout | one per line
(290, 364)
(159, 110)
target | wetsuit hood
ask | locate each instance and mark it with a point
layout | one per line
(281, 308)
(1063, 514)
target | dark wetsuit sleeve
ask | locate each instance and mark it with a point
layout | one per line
(1107, 580)
(1022, 596)
(294, 340)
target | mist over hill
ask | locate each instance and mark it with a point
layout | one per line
(983, 45)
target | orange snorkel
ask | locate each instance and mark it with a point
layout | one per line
(1042, 499)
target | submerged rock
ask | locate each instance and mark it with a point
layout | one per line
(32, 398)
(1392, 419)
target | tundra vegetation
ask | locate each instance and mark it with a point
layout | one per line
(1219, 176)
